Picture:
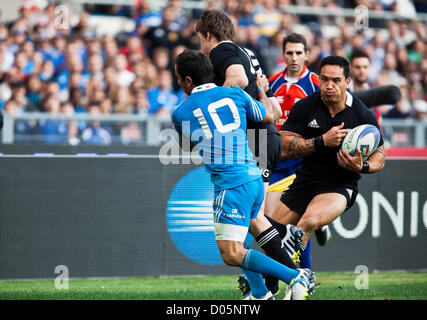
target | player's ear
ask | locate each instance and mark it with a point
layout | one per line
(188, 81)
(347, 82)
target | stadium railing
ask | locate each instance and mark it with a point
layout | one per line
(150, 126)
(396, 132)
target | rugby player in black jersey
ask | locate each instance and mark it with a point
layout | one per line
(237, 66)
(327, 183)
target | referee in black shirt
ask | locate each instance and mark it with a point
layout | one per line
(327, 183)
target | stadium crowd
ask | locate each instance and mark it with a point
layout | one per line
(48, 68)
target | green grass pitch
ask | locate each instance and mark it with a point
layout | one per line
(332, 286)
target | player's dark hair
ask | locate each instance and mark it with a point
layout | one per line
(196, 65)
(336, 61)
(218, 24)
(358, 53)
(294, 38)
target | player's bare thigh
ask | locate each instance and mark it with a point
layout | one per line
(322, 210)
(285, 215)
(272, 198)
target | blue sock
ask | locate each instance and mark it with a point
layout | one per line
(305, 259)
(256, 282)
(259, 262)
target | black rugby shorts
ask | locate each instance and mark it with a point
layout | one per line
(299, 194)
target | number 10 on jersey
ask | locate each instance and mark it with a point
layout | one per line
(217, 122)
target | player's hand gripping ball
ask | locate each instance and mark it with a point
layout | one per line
(365, 137)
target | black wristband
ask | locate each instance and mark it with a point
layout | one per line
(365, 167)
(319, 144)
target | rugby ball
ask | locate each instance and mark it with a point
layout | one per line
(365, 138)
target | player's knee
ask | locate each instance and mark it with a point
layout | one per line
(229, 259)
(309, 222)
(231, 256)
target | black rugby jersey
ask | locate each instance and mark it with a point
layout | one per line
(228, 53)
(310, 118)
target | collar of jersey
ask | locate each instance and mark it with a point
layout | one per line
(349, 99)
(225, 41)
(203, 87)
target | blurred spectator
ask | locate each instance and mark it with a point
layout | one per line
(131, 133)
(167, 34)
(405, 8)
(47, 71)
(94, 133)
(53, 131)
(72, 126)
(377, 7)
(124, 76)
(246, 13)
(21, 127)
(359, 70)
(231, 7)
(418, 105)
(267, 17)
(151, 75)
(96, 66)
(6, 57)
(133, 47)
(19, 96)
(161, 58)
(33, 93)
(274, 61)
(424, 85)
(106, 106)
(123, 101)
(141, 103)
(162, 98)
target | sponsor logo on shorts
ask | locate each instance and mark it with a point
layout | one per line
(233, 215)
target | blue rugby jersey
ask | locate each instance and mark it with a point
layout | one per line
(214, 119)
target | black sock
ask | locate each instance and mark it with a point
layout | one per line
(270, 241)
(278, 226)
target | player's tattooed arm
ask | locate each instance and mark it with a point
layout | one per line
(295, 146)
